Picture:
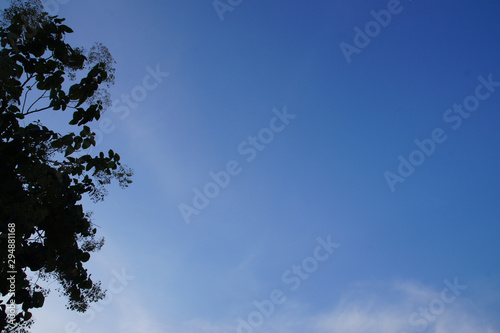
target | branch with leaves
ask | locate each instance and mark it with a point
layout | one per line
(43, 179)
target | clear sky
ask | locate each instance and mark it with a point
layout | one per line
(300, 166)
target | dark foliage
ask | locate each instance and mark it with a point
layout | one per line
(44, 174)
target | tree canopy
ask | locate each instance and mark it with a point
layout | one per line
(45, 234)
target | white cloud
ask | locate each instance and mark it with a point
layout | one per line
(364, 308)
(137, 319)
(415, 309)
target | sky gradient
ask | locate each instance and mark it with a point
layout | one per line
(299, 167)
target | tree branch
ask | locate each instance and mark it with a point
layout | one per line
(39, 98)
(28, 79)
(25, 97)
(38, 110)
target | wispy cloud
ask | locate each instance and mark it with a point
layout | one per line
(363, 308)
(137, 319)
(403, 307)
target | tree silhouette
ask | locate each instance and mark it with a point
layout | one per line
(45, 235)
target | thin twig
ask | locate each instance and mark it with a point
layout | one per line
(25, 97)
(39, 98)
(27, 80)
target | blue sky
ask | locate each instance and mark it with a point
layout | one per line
(428, 243)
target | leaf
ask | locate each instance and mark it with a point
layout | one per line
(86, 144)
(57, 144)
(74, 91)
(65, 28)
(38, 299)
(85, 131)
(67, 140)
(84, 257)
(70, 150)
(22, 296)
(27, 315)
(87, 284)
